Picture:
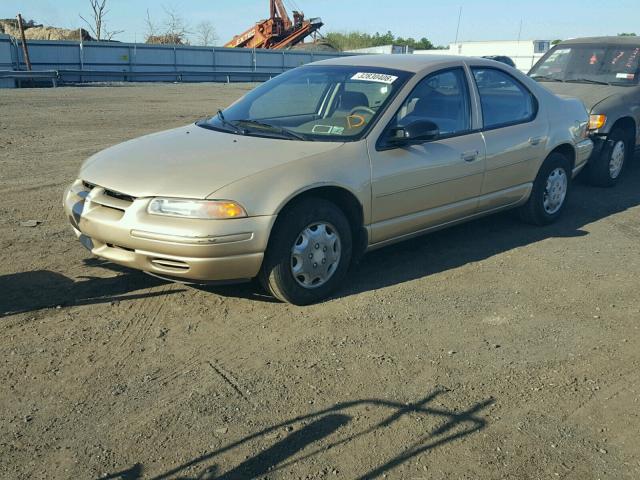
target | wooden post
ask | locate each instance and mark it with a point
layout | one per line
(25, 49)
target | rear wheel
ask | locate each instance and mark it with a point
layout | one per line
(309, 252)
(550, 191)
(606, 169)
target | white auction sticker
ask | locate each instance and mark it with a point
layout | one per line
(554, 56)
(626, 76)
(375, 77)
(327, 129)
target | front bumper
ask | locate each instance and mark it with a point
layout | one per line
(118, 228)
(599, 142)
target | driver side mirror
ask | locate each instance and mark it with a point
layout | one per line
(415, 133)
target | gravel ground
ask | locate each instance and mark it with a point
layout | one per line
(492, 350)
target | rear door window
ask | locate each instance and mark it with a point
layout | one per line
(505, 101)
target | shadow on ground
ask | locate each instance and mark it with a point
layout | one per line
(403, 262)
(475, 241)
(320, 431)
(39, 289)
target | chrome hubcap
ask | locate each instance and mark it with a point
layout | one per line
(316, 255)
(617, 160)
(555, 191)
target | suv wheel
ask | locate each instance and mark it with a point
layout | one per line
(309, 252)
(550, 191)
(606, 170)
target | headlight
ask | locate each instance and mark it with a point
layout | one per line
(596, 122)
(203, 209)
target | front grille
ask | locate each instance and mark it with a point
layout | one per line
(111, 193)
(107, 198)
(119, 196)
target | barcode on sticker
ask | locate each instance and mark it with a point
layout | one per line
(375, 77)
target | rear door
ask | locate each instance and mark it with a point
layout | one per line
(515, 136)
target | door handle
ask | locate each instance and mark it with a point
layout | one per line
(536, 140)
(470, 156)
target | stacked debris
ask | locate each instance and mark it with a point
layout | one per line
(166, 39)
(34, 31)
(319, 45)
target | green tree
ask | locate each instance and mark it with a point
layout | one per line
(354, 40)
(627, 35)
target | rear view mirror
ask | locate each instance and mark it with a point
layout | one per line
(415, 133)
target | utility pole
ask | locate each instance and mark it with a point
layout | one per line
(459, 20)
(25, 49)
(520, 31)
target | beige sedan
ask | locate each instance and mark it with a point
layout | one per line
(312, 169)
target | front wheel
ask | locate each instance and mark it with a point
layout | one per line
(606, 169)
(309, 252)
(549, 193)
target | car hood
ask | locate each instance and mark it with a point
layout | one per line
(191, 161)
(591, 95)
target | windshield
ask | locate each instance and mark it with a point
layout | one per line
(328, 103)
(608, 64)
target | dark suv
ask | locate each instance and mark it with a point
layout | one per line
(603, 72)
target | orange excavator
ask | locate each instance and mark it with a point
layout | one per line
(278, 31)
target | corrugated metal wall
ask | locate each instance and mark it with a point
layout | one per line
(5, 60)
(107, 61)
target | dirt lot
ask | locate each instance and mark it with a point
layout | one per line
(490, 351)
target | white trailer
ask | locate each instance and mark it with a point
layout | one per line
(525, 53)
(383, 49)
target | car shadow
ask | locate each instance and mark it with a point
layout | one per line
(36, 290)
(313, 434)
(475, 241)
(251, 290)
(396, 264)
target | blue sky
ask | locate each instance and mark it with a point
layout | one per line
(481, 20)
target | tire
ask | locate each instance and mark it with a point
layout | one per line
(312, 227)
(605, 170)
(542, 208)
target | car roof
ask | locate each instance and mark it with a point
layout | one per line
(604, 41)
(411, 63)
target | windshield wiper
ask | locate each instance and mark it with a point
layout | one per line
(279, 130)
(232, 126)
(587, 80)
(546, 78)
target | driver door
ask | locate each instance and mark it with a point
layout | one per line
(421, 186)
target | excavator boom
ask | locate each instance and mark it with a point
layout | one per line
(242, 40)
(278, 31)
(306, 29)
(277, 7)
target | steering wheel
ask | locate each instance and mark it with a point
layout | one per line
(362, 108)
